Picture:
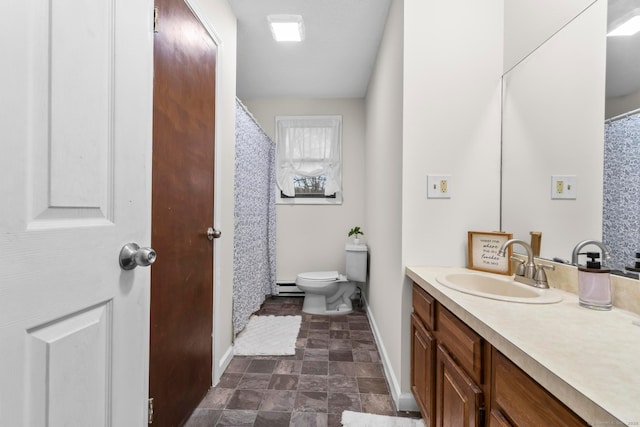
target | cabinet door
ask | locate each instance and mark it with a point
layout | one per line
(459, 401)
(423, 365)
(496, 419)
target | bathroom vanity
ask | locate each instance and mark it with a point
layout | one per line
(480, 361)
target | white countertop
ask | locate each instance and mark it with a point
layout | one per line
(588, 359)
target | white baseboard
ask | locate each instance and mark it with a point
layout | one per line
(406, 402)
(403, 401)
(224, 362)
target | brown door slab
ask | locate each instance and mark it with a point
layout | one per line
(183, 162)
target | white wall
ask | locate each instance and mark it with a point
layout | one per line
(312, 237)
(528, 23)
(386, 294)
(219, 16)
(451, 126)
(428, 114)
(553, 125)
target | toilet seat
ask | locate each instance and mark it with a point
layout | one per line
(319, 279)
(320, 275)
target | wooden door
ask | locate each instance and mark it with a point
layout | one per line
(75, 139)
(458, 399)
(180, 372)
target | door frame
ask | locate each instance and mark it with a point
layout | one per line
(216, 370)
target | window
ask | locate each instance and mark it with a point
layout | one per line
(309, 159)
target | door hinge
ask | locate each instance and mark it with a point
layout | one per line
(155, 19)
(150, 411)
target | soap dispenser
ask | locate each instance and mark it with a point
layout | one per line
(594, 284)
(636, 265)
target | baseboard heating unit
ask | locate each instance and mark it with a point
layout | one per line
(289, 289)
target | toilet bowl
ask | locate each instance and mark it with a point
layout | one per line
(326, 292)
(329, 292)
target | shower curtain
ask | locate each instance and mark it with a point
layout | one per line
(621, 219)
(254, 247)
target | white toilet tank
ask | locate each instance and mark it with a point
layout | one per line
(356, 262)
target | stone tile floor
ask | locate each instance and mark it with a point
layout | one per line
(336, 367)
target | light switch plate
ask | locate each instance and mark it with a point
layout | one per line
(563, 187)
(438, 186)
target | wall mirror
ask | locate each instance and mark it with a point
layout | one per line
(553, 124)
(621, 209)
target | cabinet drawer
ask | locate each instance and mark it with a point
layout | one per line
(424, 306)
(523, 400)
(462, 342)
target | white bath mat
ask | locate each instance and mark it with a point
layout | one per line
(360, 419)
(268, 336)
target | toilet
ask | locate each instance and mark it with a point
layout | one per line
(329, 292)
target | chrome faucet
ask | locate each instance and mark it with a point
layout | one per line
(576, 250)
(530, 267)
(531, 275)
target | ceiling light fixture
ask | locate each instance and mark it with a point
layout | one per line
(627, 28)
(286, 28)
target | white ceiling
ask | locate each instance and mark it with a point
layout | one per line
(335, 59)
(342, 39)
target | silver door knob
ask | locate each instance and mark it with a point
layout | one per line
(132, 255)
(212, 233)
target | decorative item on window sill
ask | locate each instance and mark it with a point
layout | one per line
(355, 231)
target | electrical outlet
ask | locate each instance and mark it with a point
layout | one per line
(563, 187)
(438, 186)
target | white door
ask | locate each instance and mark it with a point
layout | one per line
(75, 159)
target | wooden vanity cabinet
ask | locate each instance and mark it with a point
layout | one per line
(446, 365)
(455, 373)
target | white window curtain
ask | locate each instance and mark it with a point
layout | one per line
(309, 146)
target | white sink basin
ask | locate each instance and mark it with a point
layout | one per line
(492, 287)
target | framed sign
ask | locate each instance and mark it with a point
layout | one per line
(483, 252)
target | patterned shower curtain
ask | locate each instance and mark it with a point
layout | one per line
(621, 220)
(254, 245)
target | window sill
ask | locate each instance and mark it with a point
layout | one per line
(309, 201)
